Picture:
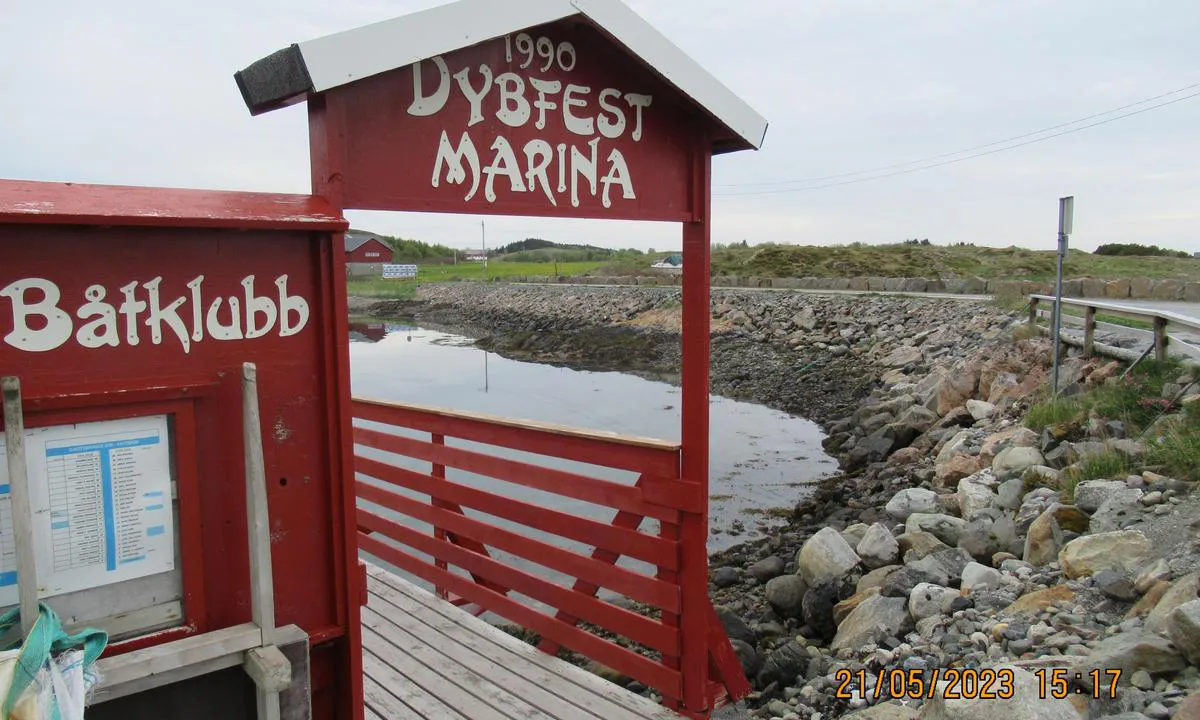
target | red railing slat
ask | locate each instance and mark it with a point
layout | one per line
(657, 458)
(653, 550)
(636, 627)
(626, 582)
(636, 666)
(573, 485)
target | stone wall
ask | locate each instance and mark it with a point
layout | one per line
(1136, 288)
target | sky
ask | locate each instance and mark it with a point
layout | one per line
(141, 92)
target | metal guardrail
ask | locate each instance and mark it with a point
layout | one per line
(1162, 320)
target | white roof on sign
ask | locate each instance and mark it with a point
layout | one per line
(345, 57)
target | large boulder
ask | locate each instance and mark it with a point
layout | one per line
(980, 409)
(878, 548)
(1024, 704)
(1121, 509)
(735, 626)
(929, 600)
(1125, 550)
(872, 621)
(912, 500)
(946, 528)
(786, 595)
(784, 664)
(1130, 652)
(974, 496)
(1044, 539)
(1183, 590)
(957, 386)
(1014, 460)
(1091, 494)
(825, 557)
(1183, 627)
(957, 467)
(768, 568)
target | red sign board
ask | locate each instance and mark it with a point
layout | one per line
(554, 121)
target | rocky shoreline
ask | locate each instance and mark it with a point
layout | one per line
(948, 543)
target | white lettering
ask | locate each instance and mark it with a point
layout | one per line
(562, 167)
(254, 306)
(289, 304)
(453, 158)
(130, 309)
(197, 309)
(102, 330)
(575, 124)
(475, 97)
(170, 315)
(610, 128)
(638, 102)
(538, 155)
(618, 173)
(544, 87)
(423, 105)
(585, 166)
(514, 108)
(58, 325)
(503, 163)
(232, 331)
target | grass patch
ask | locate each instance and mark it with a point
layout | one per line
(1178, 451)
(379, 288)
(1109, 465)
(1053, 412)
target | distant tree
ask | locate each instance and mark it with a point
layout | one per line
(1135, 249)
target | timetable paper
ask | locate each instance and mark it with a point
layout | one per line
(101, 501)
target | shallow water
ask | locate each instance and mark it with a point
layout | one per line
(760, 458)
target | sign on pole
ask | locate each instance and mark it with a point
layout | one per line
(399, 272)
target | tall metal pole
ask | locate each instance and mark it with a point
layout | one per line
(1066, 212)
(483, 240)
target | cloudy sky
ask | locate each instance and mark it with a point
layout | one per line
(141, 92)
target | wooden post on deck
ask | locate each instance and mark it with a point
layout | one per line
(22, 515)
(695, 344)
(1160, 339)
(1033, 311)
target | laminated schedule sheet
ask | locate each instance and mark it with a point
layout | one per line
(101, 501)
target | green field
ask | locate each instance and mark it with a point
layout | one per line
(468, 271)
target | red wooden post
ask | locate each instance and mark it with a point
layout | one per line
(695, 341)
(439, 471)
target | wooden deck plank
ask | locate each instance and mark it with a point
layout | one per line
(459, 683)
(473, 703)
(400, 599)
(394, 696)
(531, 683)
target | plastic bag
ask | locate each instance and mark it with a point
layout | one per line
(48, 676)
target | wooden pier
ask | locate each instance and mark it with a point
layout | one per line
(425, 658)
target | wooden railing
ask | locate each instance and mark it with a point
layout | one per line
(473, 543)
(1161, 321)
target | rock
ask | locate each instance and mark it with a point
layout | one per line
(916, 545)
(1130, 652)
(1183, 627)
(946, 528)
(912, 500)
(847, 606)
(878, 548)
(1010, 492)
(875, 578)
(1040, 600)
(1116, 585)
(1153, 595)
(1091, 494)
(1123, 550)
(980, 409)
(1013, 461)
(1044, 539)
(973, 497)
(1120, 510)
(783, 664)
(872, 621)
(873, 448)
(1189, 709)
(929, 600)
(724, 577)
(818, 610)
(911, 423)
(901, 583)
(747, 657)
(1183, 590)
(1025, 703)
(1041, 475)
(853, 535)
(885, 711)
(1035, 502)
(1059, 457)
(735, 627)
(786, 595)
(1157, 571)
(980, 577)
(957, 467)
(825, 557)
(903, 355)
(949, 563)
(957, 386)
(768, 568)
(983, 537)
(806, 319)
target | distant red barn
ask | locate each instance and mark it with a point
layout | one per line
(364, 247)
